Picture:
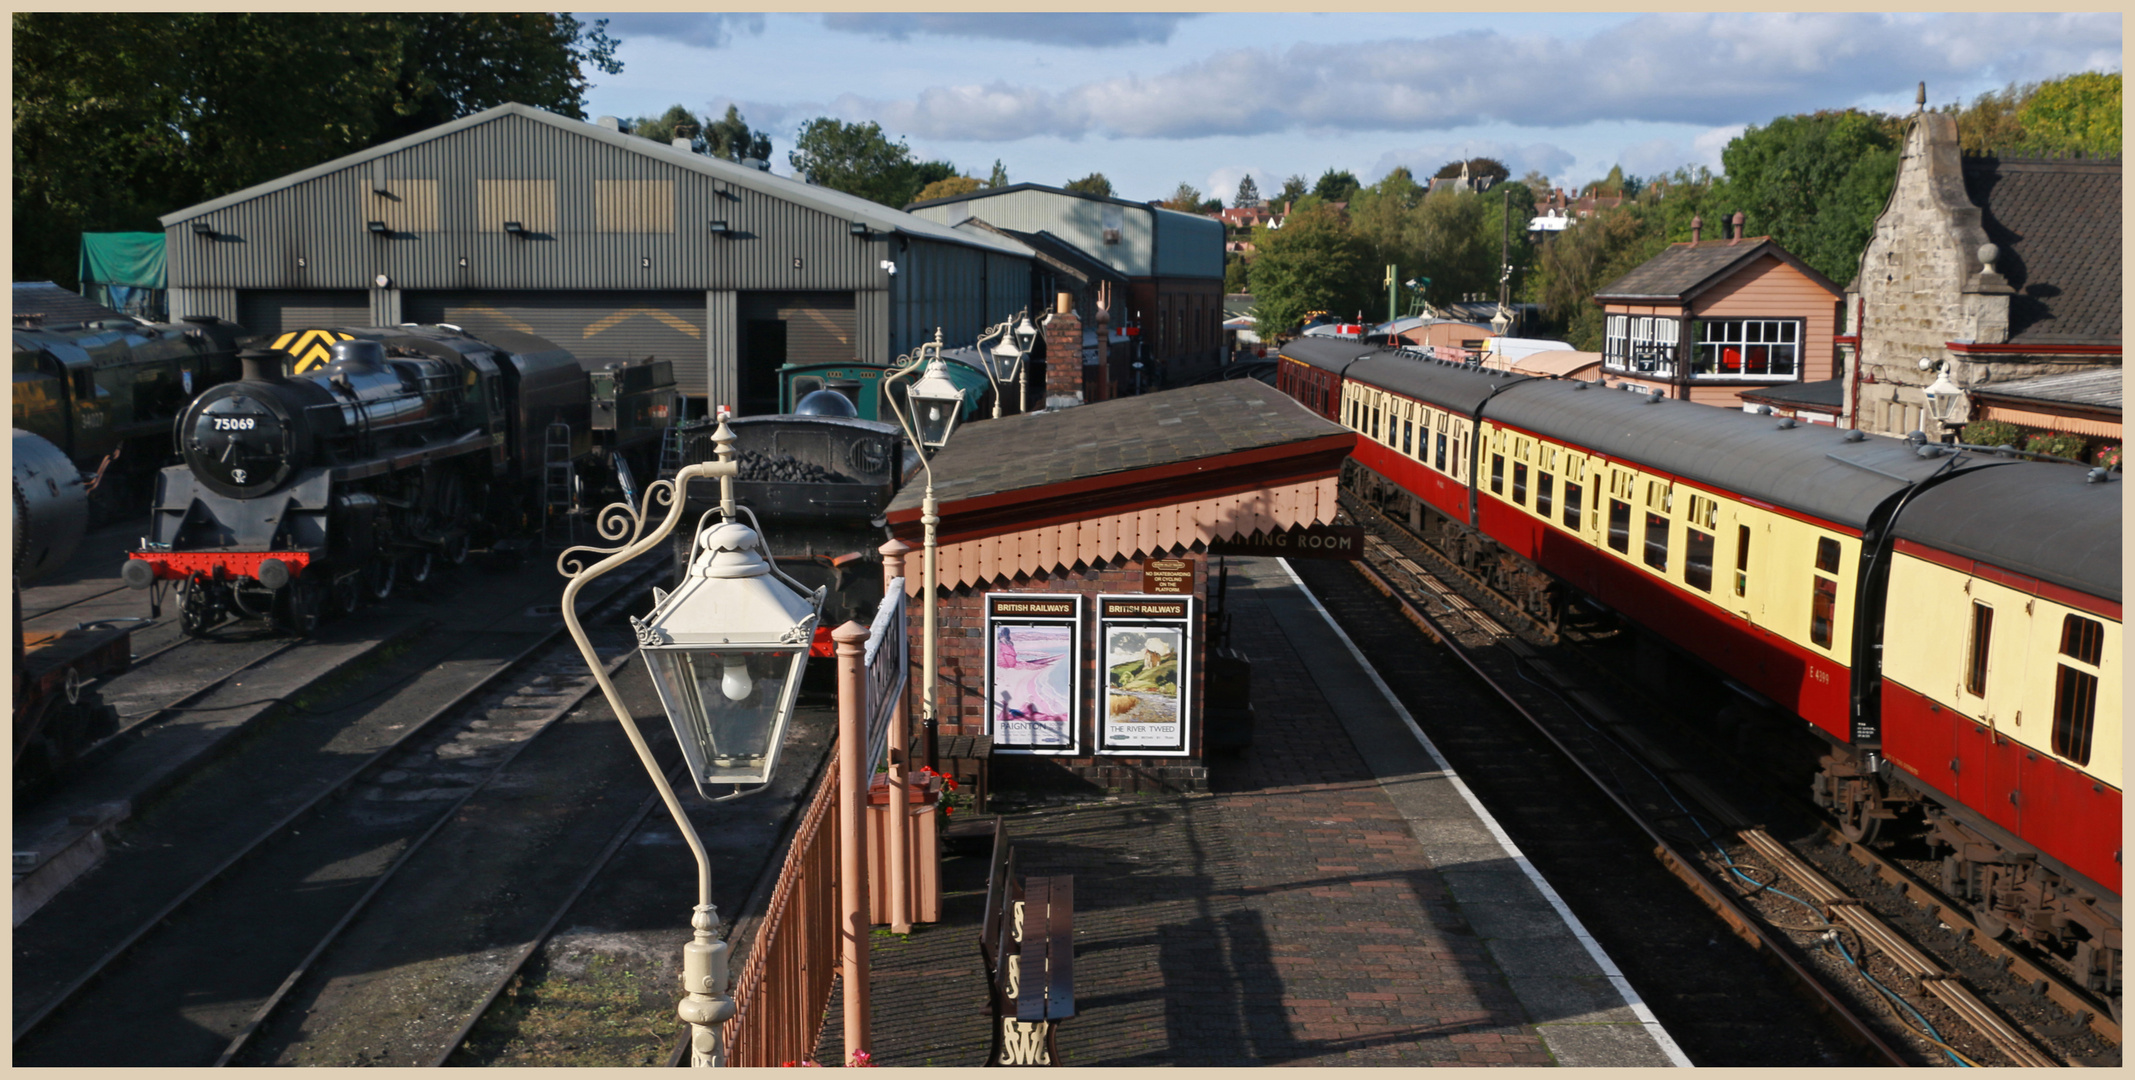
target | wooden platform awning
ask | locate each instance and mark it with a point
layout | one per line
(1155, 475)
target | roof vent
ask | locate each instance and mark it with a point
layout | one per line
(1785, 423)
(1856, 435)
(1578, 384)
(2097, 476)
(609, 122)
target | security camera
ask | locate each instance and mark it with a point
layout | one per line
(890, 266)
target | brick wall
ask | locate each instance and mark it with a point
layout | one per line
(960, 697)
(1063, 356)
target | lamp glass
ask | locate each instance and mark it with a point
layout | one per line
(728, 706)
(937, 405)
(1026, 334)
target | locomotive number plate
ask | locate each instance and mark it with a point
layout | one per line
(243, 423)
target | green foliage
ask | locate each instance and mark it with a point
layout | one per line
(1336, 186)
(1093, 184)
(1293, 189)
(1588, 256)
(948, 189)
(1315, 262)
(2107, 457)
(1990, 123)
(1992, 433)
(1236, 274)
(731, 137)
(1186, 198)
(1815, 183)
(675, 122)
(121, 117)
(2080, 113)
(999, 176)
(1478, 169)
(859, 159)
(1248, 194)
(2057, 443)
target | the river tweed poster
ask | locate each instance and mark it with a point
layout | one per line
(1144, 675)
(1033, 659)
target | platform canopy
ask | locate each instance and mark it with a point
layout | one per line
(1156, 475)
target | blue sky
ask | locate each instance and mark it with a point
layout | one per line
(1151, 99)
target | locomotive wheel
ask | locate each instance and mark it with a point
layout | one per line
(346, 592)
(421, 566)
(298, 610)
(379, 577)
(196, 611)
(456, 549)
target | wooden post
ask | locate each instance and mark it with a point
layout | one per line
(898, 826)
(854, 774)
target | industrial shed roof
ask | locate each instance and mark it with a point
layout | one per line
(877, 216)
(2039, 519)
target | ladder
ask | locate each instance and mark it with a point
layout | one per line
(558, 488)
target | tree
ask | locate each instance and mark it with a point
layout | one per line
(732, 138)
(121, 117)
(1536, 182)
(2077, 114)
(1479, 168)
(1093, 184)
(947, 189)
(1990, 122)
(1236, 274)
(1211, 205)
(1815, 183)
(1336, 186)
(859, 159)
(1187, 199)
(1293, 189)
(676, 122)
(1248, 193)
(1315, 262)
(999, 176)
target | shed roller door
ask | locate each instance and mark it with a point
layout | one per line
(270, 312)
(606, 325)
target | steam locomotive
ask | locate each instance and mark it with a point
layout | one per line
(312, 484)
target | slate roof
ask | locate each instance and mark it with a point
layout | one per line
(2098, 389)
(1826, 394)
(1686, 269)
(1039, 449)
(59, 306)
(2058, 226)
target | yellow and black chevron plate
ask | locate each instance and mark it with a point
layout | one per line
(309, 348)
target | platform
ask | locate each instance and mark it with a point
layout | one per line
(1338, 899)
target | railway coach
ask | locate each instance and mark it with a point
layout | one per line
(1910, 602)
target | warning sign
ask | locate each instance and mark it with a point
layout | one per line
(1173, 576)
(309, 348)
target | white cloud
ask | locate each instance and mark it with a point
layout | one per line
(1097, 30)
(1708, 69)
(1708, 145)
(710, 31)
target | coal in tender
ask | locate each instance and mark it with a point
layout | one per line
(762, 468)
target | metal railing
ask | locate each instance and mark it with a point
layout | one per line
(784, 988)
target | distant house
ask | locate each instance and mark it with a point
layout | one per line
(2004, 277)
(1707, 320)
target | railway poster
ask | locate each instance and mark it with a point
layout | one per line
(1033, 657)
(1144, 674)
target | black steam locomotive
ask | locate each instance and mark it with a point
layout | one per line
(105, 393)
(406, 448)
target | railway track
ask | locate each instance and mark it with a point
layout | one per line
(1845, 931)
(223, 945)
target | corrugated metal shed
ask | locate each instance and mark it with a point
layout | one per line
(515, 203)
(1135, 239)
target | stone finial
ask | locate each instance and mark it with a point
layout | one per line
(1920, 96)
(1987, 254)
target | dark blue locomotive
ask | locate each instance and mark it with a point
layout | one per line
(411, 446)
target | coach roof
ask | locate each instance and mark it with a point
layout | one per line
(2037, 518)
(1459, 387)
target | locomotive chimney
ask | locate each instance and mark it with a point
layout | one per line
(261, 365)
(358, 354)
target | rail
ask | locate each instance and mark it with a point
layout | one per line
(785, 983)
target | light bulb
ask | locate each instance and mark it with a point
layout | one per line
(933, 414)
(734, 681)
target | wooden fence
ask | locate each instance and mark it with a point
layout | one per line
(785, 985)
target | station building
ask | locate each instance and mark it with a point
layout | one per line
(608, 244)
(1080, 583)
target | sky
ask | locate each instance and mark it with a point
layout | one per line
(1153, 99)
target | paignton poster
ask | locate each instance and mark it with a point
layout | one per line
(1032, 665)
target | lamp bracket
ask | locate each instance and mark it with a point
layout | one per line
(648, 635)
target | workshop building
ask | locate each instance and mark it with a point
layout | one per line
(608, 244)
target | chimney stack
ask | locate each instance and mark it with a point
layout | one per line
(1738, 225)
(1697, 223)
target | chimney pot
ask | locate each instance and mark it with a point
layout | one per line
(1697, 223)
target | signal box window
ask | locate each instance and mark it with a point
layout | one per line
(1742, 560)
(1519, 484)
(1975, 678)
(2075, 695)
(1657, 541)
(1697, 559)
(1827, 555)
(1544, 497)
(1620, 525)
(1823, 610)
(1497, 474)
(1571, 506)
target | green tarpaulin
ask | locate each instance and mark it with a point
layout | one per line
(123, 258)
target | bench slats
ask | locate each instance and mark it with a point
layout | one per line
(1037, 903)
(1060, 949)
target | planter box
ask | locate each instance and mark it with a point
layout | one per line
(923, 803)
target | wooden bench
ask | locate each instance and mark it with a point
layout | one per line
(1027, 941)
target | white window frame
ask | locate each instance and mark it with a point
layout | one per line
(1737, 333)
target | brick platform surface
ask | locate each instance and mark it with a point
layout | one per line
(1289, 917)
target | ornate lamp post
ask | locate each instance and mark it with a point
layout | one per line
(1942, 395)
(726, 651)
(1016, 335)
(937, 403)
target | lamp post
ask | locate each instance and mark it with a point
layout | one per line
(726, 650)
(1942, 395)
(1016, 335)
(937, 404)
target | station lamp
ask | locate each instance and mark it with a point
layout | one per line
(937, 403)
(1942, 394)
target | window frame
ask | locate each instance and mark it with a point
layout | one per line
(1979, 649)
(1771, 334)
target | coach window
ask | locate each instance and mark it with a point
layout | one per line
(1519, 483)
(1408, 435)
(1823, 610)
(1657, 541)
(1545, 497)
(1827, 555)
(1620, 525)
(1441, 442)
(1697, 559)
(2075, 695)
(1497, 474)
(1742, 560)
(1975, 676)
(1572, 494)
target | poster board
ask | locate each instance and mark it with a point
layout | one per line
(1034, 672)
(1145, 675)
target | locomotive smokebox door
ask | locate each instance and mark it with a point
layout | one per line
(603, 400)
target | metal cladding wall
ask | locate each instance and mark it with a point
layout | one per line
(616, 219)
(959, 290)
(272, 311)
(612, 325)
(1079, 220)
(1188, 245)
